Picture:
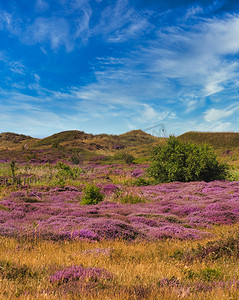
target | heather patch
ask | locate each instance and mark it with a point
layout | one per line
(81, 275)
(137, 173)
(109, 189)
(173, 210)
(113, 229)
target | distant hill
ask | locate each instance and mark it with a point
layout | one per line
(134, 138)
(74, 145)
(64, 136)
(13, 137)
(214, 139)
(80, 139)
(10, 140)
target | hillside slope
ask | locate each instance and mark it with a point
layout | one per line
(214, 139)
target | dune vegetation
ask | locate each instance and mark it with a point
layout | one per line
(81, 217)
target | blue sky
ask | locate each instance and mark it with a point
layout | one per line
(111, 66)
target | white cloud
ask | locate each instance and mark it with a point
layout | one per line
(148, 114)
(68, 30)
(213, 114)
(37, 77)
(17, 67)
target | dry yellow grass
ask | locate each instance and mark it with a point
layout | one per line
(137, 269)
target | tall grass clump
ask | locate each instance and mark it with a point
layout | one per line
(178, 161)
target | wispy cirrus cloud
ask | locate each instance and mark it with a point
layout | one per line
(120, 22)
(72, 26)
(14, 66)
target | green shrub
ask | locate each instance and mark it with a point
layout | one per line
(207, 274)
(66, 172)
(210, 274)
(125, 157)
(178, 161)
(76, 159)
(92, 195)
(140, 181)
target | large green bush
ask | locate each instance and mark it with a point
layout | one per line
(179, 161)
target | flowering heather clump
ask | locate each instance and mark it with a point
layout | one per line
(82, 274)
(81, 234)
(169, 231)
(113, 229)
(137, 173)
(109, 188)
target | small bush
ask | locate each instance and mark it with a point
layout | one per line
(131, 199)
(140, 181)
(207, 274)
(125, 157)
(76, 159)
(185, 162)
(66, 172)
(92, 195)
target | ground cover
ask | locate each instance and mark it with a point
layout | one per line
(175, 210)
(165, 241)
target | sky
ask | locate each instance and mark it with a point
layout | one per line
(112, 66)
